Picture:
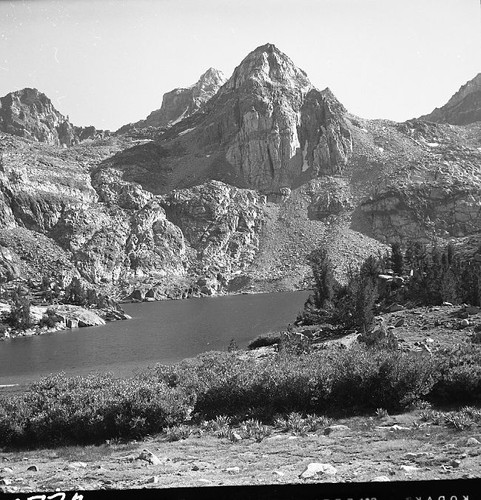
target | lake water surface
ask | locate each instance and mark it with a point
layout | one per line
(160, 332)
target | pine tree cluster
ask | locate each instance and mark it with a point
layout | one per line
(418, 275)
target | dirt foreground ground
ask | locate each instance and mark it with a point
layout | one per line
(391, 448)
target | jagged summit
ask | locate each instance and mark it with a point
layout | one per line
(181, 103)
(463, 108)
(30, 113)
(266, 128)
(212, 74)
(207, 86)
(267, 64)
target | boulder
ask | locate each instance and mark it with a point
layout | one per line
(75, 315)
(336, 429)
(150, 457)
(379, 336)
(314, 469)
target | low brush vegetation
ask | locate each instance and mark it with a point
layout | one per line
(222, 389)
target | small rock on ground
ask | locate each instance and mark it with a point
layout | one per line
(313, 469)
(148, 456)
(77, 465)
(410, 468)
(335, 429)
(472, 442)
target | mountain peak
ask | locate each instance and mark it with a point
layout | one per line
(267, 47)
(208, 84)
(30, 113)
(463, 108)
(212, 74)
(267, 64)
(181, 103)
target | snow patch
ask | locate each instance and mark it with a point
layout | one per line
(432, 144)
(186, 131)
(181, 117)
(305, 164)
(381, 149)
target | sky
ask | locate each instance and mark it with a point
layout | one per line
(108, 62)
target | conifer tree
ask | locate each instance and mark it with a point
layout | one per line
(397, 258)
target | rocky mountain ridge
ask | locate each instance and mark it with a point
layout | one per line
(266, 128)
(181, 103)
(463, 108)
(29, 113)
(235, 196)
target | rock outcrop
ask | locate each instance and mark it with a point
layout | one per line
(222, 223)
(61, 221)
(266, 128)
(282, 128)
(184, 102)
(463, 108)
(431, 188)
(29, 113)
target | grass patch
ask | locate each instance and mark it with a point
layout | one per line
(466, 418)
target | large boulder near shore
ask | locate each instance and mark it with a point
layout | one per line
(73, 316)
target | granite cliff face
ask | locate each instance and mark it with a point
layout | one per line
(428, 189)
(463, 108)
(245, 179)
(29, 113)
(266, 128)
(63, 216)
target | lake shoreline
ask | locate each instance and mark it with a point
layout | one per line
(151, 337)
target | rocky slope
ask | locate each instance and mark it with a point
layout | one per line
(463, 108)
(235, 196)
(62, 216)
(29, 113)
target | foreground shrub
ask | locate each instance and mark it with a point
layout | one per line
(300, 425)
(231, 388)
(465, 418)
(316, 382)
(459, 370)
(178, 432)
(88, 409)
(253, 429)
